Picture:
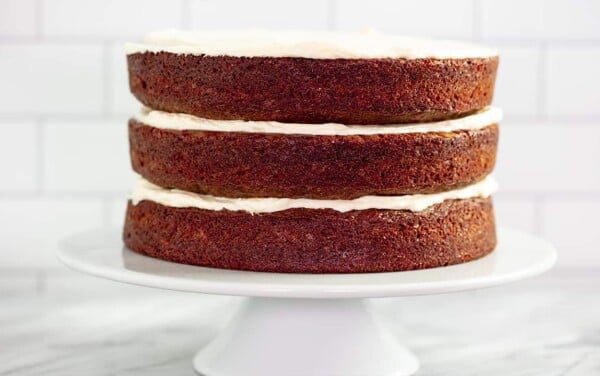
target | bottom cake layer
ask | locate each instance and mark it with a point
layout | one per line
(314, 240)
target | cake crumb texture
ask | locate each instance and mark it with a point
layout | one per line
(231, 164)
(314, 240)
(302, 90)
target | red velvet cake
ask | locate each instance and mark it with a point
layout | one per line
(311, 152)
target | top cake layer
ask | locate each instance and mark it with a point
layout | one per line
(294, 77)
(314, 45)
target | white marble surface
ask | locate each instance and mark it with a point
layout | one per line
(64, 323)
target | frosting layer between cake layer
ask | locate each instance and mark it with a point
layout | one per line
(144, 190)
(178, 121)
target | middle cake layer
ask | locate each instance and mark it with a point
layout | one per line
(265, 159)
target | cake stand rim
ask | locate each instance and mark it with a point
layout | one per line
(512, 260)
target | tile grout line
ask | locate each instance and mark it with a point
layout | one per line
(477, 14)
(95, 116)
(554, 42)
(96, 39)
(538, 211)
(106, 75)
(106, 212)
(39, 160)
(39, 20)
(532, 120)
(331, 14)
(63, 195)
(116, 194)
(560, 196)
(41, 281)
(542, 84)
(186, 16)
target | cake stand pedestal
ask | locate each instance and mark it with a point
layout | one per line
(299, 324)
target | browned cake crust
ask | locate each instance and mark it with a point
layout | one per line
(274, 165)
(314, 240)
(349, 91)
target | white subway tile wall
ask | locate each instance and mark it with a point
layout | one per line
(120, 99)
(518, 80)
(18, 162)
(51, 78)
(573, 81)
(86, 156)
(17, 18)
(540, 19)
(33, 226)
(434, 18)
(549, 157)
(573, 227)
(108, 18)
(64, 104)
(277, 14)
(518, 213)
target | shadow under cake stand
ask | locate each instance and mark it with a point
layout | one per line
(306, 324)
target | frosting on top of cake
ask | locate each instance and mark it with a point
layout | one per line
(305, 44)
(178, 121)
(144, 190)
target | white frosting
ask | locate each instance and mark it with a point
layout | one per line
(144, 190)
(317, 45)
(176, 121)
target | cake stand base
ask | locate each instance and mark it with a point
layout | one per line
(306, 324)
(305, 337)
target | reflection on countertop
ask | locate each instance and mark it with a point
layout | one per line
(61, 322)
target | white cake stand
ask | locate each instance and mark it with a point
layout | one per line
(318, 332)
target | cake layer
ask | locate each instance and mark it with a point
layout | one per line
(395, 80)
(314, 240)
(236, 164)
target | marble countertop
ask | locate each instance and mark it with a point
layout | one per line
(64, 323)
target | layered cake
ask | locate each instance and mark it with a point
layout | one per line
(311, 152)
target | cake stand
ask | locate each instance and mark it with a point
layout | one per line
(306, 324)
